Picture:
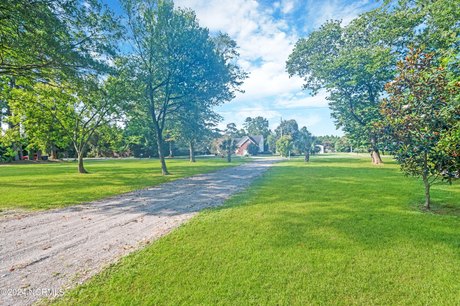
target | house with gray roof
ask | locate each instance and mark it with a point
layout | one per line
(243, 143)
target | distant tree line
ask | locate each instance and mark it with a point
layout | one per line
(287, 139)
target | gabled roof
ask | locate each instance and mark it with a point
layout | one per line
(242, 140)
(257, 138)
(254, 139)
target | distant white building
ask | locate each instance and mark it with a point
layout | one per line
(321, 149)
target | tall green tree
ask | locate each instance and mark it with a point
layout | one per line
(284, 145)
(198, 122)
(421, 109)
(354, 62)
(354, 73)
(53, 42)
(175, 64)
(77, 110)
(305, 143)
(257, 126)
(287, 127)
(194, 126)
(227, 143)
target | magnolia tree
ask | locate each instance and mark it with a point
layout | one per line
(419, 111)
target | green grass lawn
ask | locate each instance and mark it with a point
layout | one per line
(52, 185)
(335, 231)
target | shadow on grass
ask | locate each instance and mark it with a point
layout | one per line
(338, 208)
(56, 185)
(363, 229)
(168, 196)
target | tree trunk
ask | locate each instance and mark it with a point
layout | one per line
(229, 157)
(376, 159)
(171, 153)
(53, 152)
(307, 156)
(17, 152)
(81, 167)
(17, 156)
(17, 148)
(427, 192)
(192, 152)
(164, 169)
(375, 154)
(426, 181)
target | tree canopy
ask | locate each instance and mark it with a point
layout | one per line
(45, 38)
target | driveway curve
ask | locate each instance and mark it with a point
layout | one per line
(43, 254)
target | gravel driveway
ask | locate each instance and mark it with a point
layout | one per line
(42, 254)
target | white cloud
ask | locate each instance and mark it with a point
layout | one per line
(257, 111)
(308, 121)
(263, 42)
(301, 100)
(242, 113)
(269, 80)
(288, 6)
(320, 12)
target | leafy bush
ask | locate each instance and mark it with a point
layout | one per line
(284, 145)
(253, 149)
(6, 154)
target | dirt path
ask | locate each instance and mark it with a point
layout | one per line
(44, 253)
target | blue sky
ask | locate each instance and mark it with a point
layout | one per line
(266, 32)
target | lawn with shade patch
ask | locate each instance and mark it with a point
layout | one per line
(53, 185)
(336, 231)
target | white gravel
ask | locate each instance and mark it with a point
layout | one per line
(42, 254)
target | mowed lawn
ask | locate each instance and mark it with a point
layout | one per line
(53, 185)
(335, 231)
